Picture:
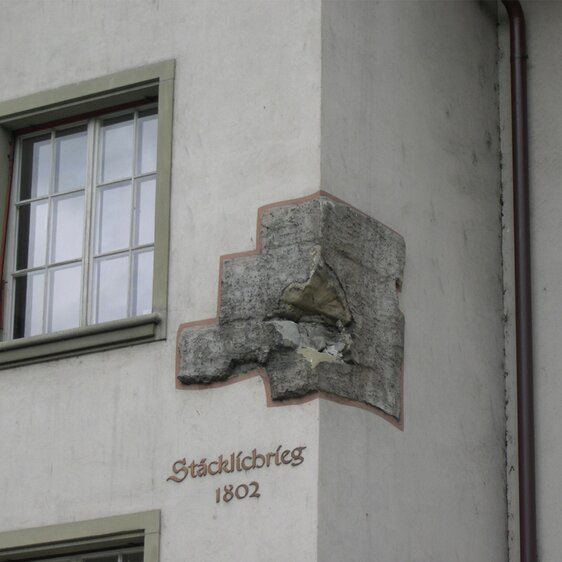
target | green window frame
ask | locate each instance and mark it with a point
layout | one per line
(105, 535)
(152, 83)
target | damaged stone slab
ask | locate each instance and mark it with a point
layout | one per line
(317, 309)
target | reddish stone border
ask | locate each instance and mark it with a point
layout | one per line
(261, 372)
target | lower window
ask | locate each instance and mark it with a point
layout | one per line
(122, 538)
(128, 555)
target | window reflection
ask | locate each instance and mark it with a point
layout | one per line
(111, 288)
(68, 226)
(142, 282)
(117, 136)
(29, 297)
(64, 298)
(146, 150)
(35, 167)
(113, 225)
(145, 202)
(70, 161)
(32, 234)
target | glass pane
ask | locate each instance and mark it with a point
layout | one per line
(116, 149)
(143, 272)
(35, 167)
(68, 228)
(32, 234)
(113, 218)
(144, 211)
(64, 297)
(103, 558)
(70, 159)
(111, 288)
(28, 305)
(147, 136)
(133, 557)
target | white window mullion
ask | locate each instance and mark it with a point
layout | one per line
(89, 202)
(46, 296)
(132, 211)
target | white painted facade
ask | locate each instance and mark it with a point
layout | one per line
(393, 107)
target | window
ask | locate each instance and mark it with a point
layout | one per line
(85, 265)
(121, 538)
(84, 214)
(123, 555)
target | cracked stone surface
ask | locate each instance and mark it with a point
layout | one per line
(317, 308)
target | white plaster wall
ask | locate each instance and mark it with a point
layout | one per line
(544, 41)
(410, 135)
(96, 435)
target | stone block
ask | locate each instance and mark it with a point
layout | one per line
(317, 309)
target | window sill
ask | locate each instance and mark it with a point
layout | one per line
(66, 343)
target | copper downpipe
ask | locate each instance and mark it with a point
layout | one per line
(523, 316)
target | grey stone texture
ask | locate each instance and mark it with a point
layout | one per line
(317, 308)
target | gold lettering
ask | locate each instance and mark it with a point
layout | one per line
(177, 468)
(252, 463)
(269, 457)
(202, 470)
(222, 465)
(256, 457)
(277, 459)
(297, 456)
(236, 462)
(284, 455)
(231, 464)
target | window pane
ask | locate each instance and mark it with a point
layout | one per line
(116, 149)
(143, 266)
(113, 218)
(32, 234)
(144, 211)
(104, 558)
(111, 288)
(64, 297)
(68, 228)
(35, 167)
(133, 557)
(28, 305)
(70, 159)
(147, 136)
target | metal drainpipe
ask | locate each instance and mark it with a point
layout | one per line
(523, 317)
